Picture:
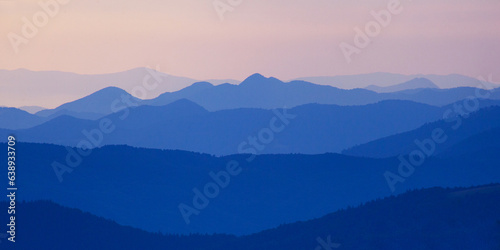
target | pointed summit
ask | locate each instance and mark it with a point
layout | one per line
(260, 80)
(108, 92)
(99, 102)
(255, 77)
(198, 86)
(419, 83)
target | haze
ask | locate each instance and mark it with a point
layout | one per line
(286, 39)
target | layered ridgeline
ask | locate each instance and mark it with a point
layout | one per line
(417, 83)
(381, 79)
(395, 141)
(44, 87)
(435, 218)
(12, 118)
(456, 130)
(184, 192)
(308, 129)
(93, 106)
(258, 91)
(311, 128)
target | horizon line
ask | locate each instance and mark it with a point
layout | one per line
(219, 79)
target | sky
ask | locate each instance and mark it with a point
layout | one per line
(281, 38)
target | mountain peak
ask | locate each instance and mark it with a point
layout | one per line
(255, 76)
(258, 79)
(421, 82)
(98, 102)
(110, 91)
(202, 85)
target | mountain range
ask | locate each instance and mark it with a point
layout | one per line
(257, 164)
(12, 118)
(457, 129)
(32, 109)
(434, 218)
(118, 182)
(49, 88)
(258, 91)
(312, 129)
(183, 124)
(388, 79)
(93, 106)
(417, 83)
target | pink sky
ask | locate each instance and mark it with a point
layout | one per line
(282, 38)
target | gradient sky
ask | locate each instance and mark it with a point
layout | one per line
(282, 38)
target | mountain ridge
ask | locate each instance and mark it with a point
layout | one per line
(449, 206)
(269, 191)
(416, 83)
(186, 125)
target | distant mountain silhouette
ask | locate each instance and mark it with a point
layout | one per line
(119, 182)
(39, 86)
(80, 230)
(187, 126)
(258, 91)
(43, 87)
(417, 83)
(404, 143)
(12, 118)
(32, 109)
(15, 119)
(388, 79)
(98, 103)
(440, 97)
(434, 218)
